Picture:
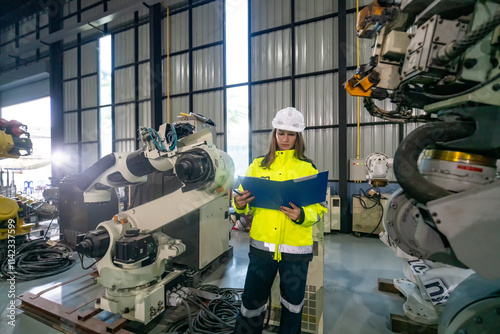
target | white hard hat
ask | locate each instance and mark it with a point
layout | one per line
(289, 119)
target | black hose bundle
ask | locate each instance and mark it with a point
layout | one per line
(37, 259)
(218, 316)
(414, 184)
(457, 48)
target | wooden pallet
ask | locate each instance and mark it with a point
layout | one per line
(79, 319)
(400, 323)
(83, 318)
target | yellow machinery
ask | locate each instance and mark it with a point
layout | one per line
(14, 142)
(9, 217)
(14, 139)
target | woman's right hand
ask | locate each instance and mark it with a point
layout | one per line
(242, 200)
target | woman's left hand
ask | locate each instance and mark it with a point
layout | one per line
(293, 213)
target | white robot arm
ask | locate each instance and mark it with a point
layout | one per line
(442, 59)
(377, 166)
(130, 253)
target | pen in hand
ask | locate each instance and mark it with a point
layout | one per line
(241, 199)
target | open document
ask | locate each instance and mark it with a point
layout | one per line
(273, 194)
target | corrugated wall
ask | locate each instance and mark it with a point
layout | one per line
(372, 138)
(294, 61)
(80, 101)
(205, 73)
(271, 55)
(310, 83)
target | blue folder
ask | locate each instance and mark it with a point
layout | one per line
(274, 194)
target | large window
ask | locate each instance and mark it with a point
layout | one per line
(237, 83)
(105, 121)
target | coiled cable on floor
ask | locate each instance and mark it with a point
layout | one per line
(218, 316)
(37, 259)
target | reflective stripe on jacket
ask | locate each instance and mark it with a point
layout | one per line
(273, 226)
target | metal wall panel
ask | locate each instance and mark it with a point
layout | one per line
(121, 20)
(92, 12)
(144, 81)
(267, 99)
(211, 105)
(8, 48)
(89, 53)
(364, 116)
(124, 84)
(365, 45)
(70, 95)
(314, 98)
(208, 68)
(27, 25)
(70, 66)
(409, 127)
(352, 3)
(123, 48)
(179, 74)
(314, 46)
(266, 14)
(322, 146)
(25, 41)
(143, 42)
(87, 3)
(271, 55)
(144, 114)
(89, 125)
(8, 34)
(44, 18)
(71, 163)
(179, 31)
(69, 7)
(90, 86)
(219, 142)
(124, 123)
(71, 127)
(91, 153)
(125, 146)
(44, 50)
(207, 23)
(307, 9)
(177, 105)
(374, 138)
(260, 143)
(68, 23)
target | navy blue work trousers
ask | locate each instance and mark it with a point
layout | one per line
(259, 280)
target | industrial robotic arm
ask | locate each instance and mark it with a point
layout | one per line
(129, 250)
(441, 57)
(438, 62)
(377, 166)
(14, 139)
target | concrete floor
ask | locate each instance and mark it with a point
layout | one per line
(352, 303)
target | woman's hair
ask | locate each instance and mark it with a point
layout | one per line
(300, 147)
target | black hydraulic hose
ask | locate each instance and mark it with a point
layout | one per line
(454, 49)
(37, 259)
(414, 184)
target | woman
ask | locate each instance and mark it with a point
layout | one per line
(279, 239)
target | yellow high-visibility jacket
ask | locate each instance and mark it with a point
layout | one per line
(272, 230)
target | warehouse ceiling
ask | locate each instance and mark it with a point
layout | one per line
(12, 11)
